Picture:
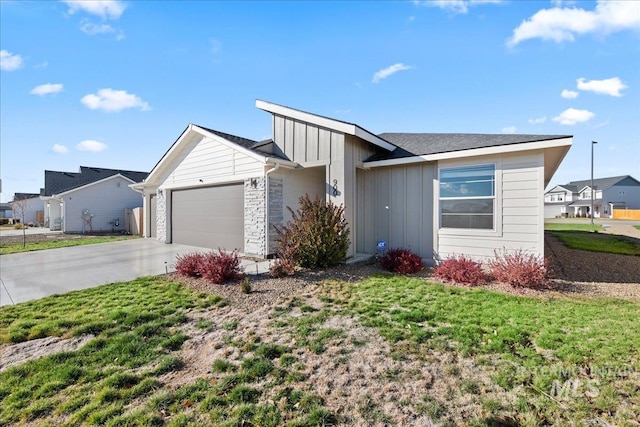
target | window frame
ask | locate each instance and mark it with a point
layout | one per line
(496, 230)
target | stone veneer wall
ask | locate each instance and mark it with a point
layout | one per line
(161, 216)
(254, 216)
(276, 211)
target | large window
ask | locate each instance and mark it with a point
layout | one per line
(467, 197)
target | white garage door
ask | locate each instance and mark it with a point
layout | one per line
(209, 217)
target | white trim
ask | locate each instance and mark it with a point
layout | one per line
(228, 143)
(92, 184)
(230, 179)
(496, 150)
(337, 125)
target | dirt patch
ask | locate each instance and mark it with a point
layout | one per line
(14, 354)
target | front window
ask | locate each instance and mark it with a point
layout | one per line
(467, 197)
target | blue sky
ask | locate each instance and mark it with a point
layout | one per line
(113, 84)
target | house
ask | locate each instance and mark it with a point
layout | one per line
(437, 194)
(574, 199)
(93, 199)
(31, 204)
(5, 210)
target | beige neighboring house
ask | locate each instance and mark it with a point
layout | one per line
(90, 200)
(436, 194)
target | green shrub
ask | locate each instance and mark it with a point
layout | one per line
(317, 236)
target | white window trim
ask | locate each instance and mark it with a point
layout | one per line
(497, 208)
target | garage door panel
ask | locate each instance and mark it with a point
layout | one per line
(211, 217)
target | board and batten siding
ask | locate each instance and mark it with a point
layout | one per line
(519, 208)
(105, 201)
(395, 204)
(297, 183)
(211, 162)
(310, 145)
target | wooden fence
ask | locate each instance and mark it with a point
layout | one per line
(626, 214)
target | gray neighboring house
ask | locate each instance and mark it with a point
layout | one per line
(437, 194)
(574, 199)
(5, 210)
(92, 199)
(32, 204)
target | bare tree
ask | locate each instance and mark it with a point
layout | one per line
(20, 207)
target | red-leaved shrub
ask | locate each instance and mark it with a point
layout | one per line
(220, 267)
(520, 269)
(460, 269)
(401, 261)
(187, 265)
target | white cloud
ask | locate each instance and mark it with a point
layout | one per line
(44, 64)
(571, 116)
(10, 61)
(92, 29)
(509, 129)
(386, 72)
(60, 149)
(114, 100)
(455, 6)
(46, 89)
(91, 145)
(569, 94)
(537, 121)
(106, 9)
(611, 86)
(561, 24)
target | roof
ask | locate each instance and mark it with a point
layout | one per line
(243, 142)
(56, 182)
(603, 183)
(418, 144)
(24, 196)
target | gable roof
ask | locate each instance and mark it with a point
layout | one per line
(419, 144)
(566, 187)
(604, 183)
(56, 182)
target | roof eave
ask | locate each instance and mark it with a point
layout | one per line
(325, 122)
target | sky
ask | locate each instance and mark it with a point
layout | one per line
(114, 83)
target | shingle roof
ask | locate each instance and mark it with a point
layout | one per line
(417, 144)
(56, 182)
(601, 183)
(24, 196)
(243, 142)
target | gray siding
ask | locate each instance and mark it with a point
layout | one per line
(106, 201)
(310, 145)
(395, 204)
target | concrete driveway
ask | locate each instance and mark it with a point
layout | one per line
(32, 275)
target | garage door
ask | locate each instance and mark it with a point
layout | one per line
(210, 217)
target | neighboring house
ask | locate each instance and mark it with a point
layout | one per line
(5, 210)
(93, 199)
(31, 204)
(437, 194)
(574, 199)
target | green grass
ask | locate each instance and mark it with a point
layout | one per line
(14, 248)
(536, 340)
(637, 227)
(135, 344)
(555, 226)
(598, 242)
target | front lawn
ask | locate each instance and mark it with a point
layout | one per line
(568, 226)
(17, 247)
(388, 350)
(598, 242)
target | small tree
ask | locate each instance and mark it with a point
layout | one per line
(20, 206)
(316, 236)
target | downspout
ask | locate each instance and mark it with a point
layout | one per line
(266, 208)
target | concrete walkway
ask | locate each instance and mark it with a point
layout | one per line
(32, 275)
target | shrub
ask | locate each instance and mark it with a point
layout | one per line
(246, 285)
(461, 269)
(316, 236)
(520, 269)
(401, 261)
(220, 267)
(187, 265)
